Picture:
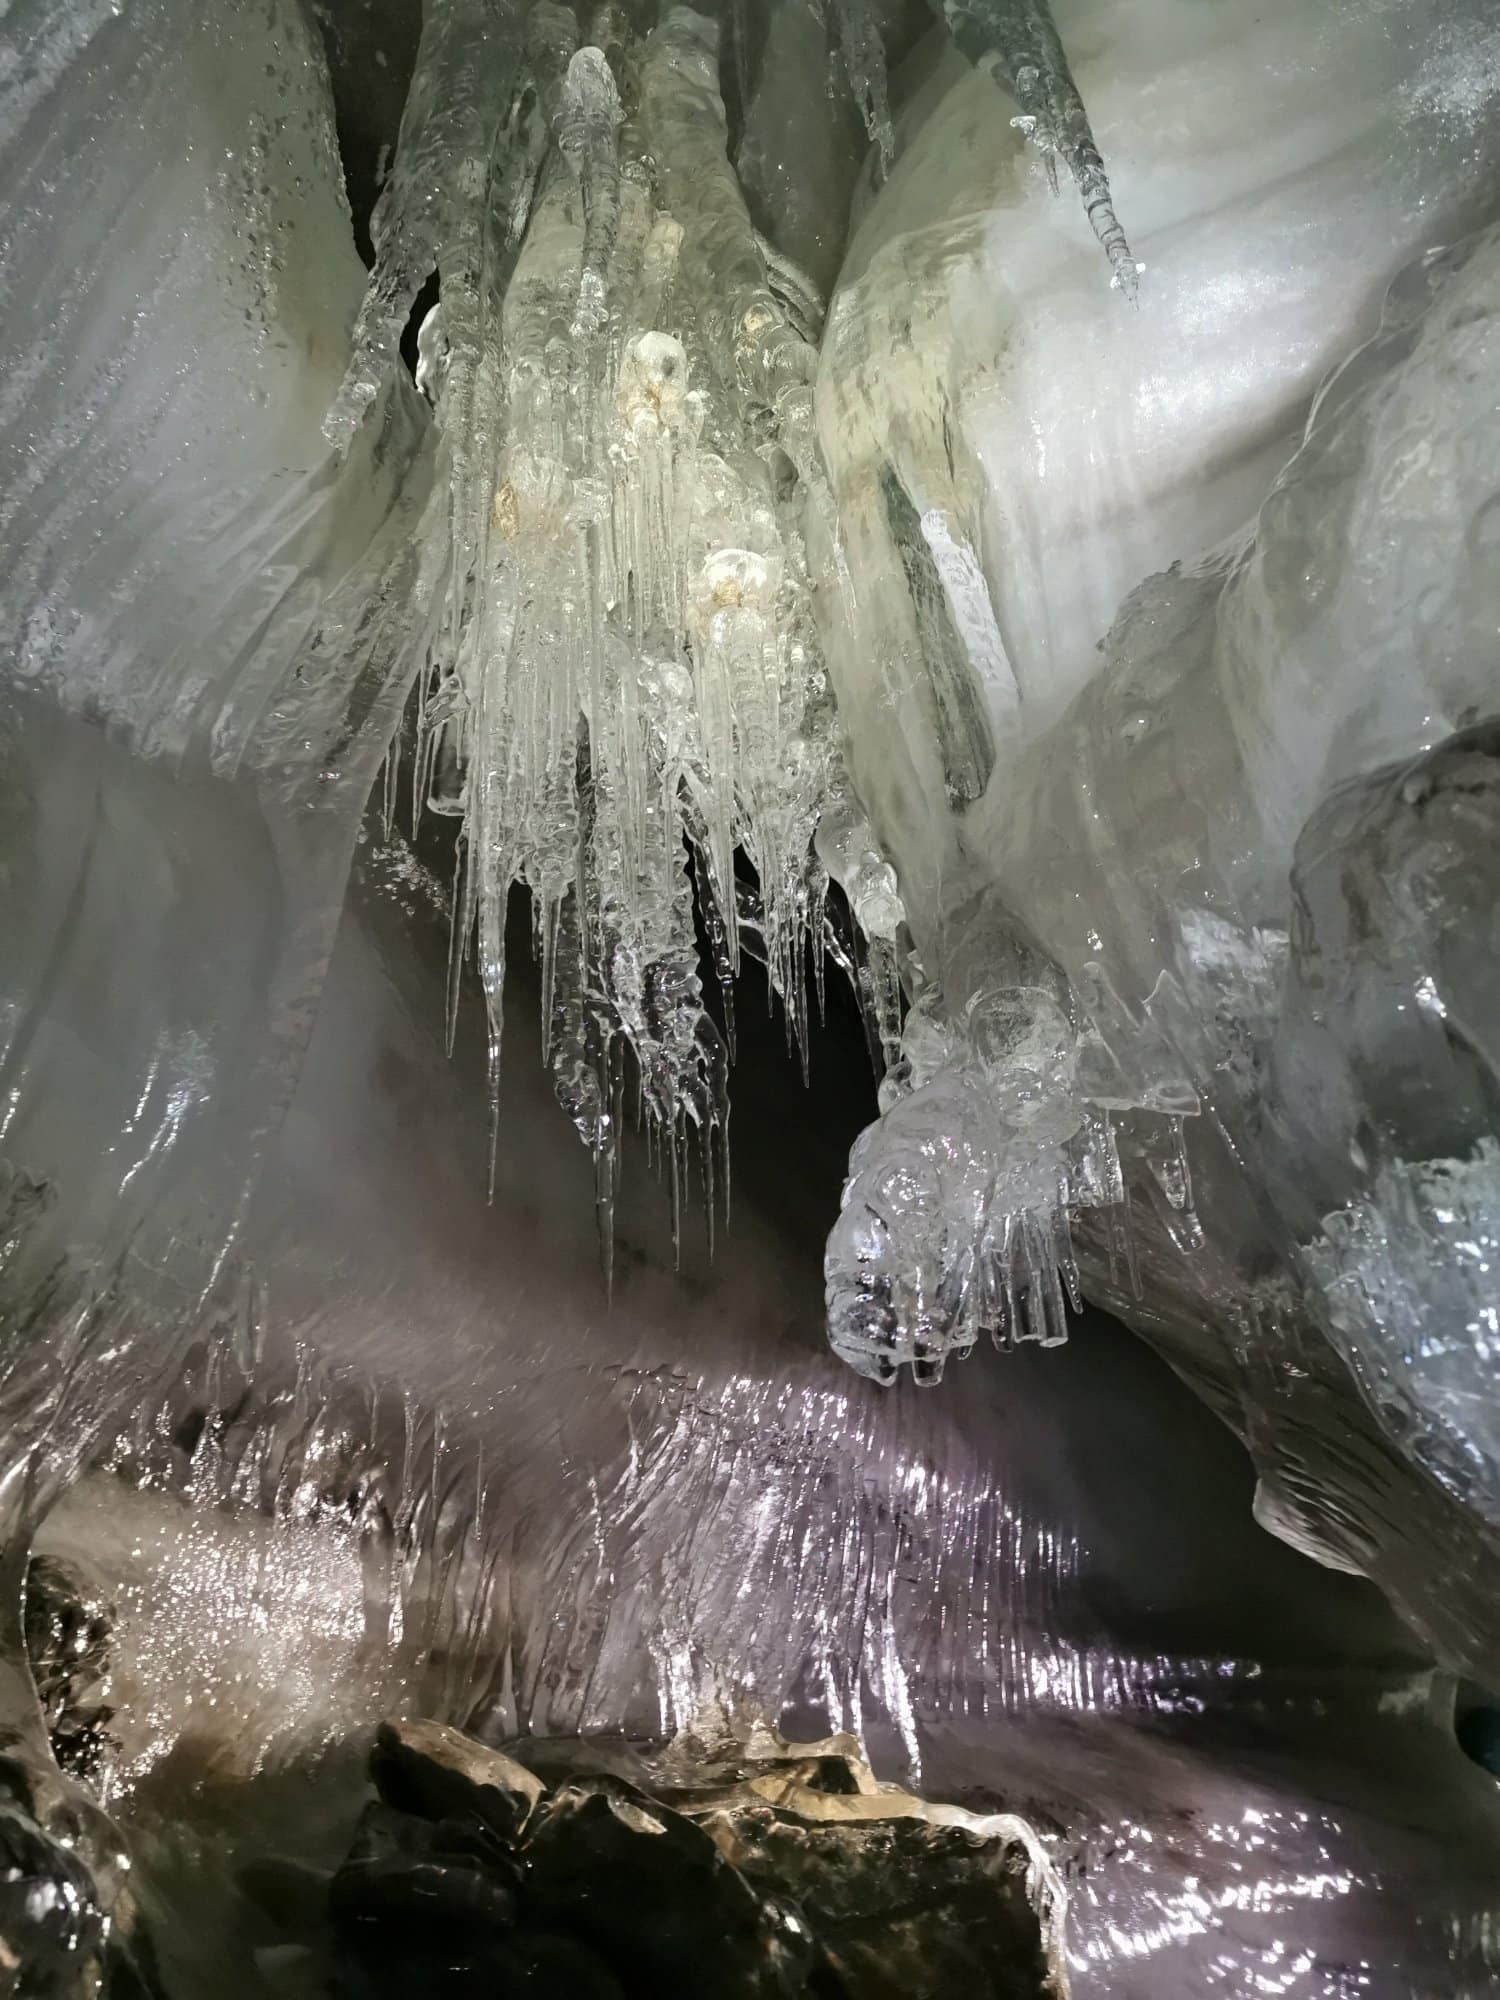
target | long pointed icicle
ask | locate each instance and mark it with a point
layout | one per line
(1017, 42)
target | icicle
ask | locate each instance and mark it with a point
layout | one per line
(427, 217)
(864, 63)
(587, 131)
(956, 1213)
(627, 666)
(847, 851)
(1017, 42)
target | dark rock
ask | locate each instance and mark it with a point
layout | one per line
(790, 1872)
(428, 1897)
(455, 1895)
(539, 1965)
(652, 1894)
(456, 1839)
(523, 1966)
(131, 1968)
(292, 1895)
(383, 1831)
(438, 1773)
(907, 1910)
(69, 1629)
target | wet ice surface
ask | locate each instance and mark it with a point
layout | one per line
(1186, 860)
(412, 1459)
(1238, 1761)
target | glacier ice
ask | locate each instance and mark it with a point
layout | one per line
(1132, 1009)
(784, 498)
(204, 624)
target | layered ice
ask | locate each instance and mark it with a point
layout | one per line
(203, 625)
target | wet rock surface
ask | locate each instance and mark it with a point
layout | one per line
(905, 1909)
(781, 1875)
(69, 1624)
(69, 1924)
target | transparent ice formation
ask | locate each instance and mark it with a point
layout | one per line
(1160, 795)
(1194, 919)
(625, 671)
(203, 624)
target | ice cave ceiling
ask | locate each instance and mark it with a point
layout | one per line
(817, 595)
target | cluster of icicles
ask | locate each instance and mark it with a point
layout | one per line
(624, 694)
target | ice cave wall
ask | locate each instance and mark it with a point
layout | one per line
(206, 624)
(1147, 948)
(631, 526)
(1138, 1024)
(1008, 448)
(688, 1491)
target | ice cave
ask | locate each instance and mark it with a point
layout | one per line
(749, 999)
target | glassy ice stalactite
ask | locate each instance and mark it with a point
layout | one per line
(1125, 654)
